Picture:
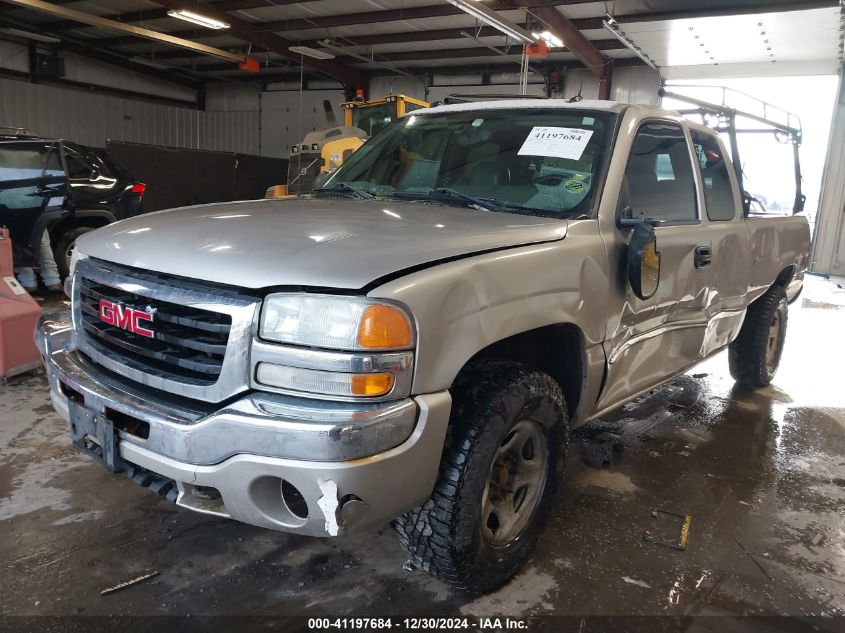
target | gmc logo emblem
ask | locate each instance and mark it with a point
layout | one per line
(125, 318)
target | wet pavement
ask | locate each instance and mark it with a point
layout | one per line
(762, 474)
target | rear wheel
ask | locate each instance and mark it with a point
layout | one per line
(499, 476)
(65, 246)
(755, 354)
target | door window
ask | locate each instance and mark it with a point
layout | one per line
(22, 161)
(718, 191)
(659, 181)
(76, 168)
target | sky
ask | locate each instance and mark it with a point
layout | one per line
(766, 163)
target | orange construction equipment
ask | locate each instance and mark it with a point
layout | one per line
(18, 314)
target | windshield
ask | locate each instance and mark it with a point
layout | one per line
(373, 119)
(534, 161)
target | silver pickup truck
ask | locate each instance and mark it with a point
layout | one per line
(414, 341)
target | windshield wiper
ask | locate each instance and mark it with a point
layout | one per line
(345, 187)
(485, 204)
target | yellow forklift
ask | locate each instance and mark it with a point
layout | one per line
(325, 150)
(376, 114)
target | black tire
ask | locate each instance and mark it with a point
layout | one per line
(754, 356)
(495, 404)
(64, 245)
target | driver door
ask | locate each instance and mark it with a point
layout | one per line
(648, 341)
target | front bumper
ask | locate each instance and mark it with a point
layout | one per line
(354, 465)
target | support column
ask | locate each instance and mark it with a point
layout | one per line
(605, 81)
(828, 255)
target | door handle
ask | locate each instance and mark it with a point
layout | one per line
(703, 256)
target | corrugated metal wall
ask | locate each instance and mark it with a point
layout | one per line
(284, 122)
(90, 119)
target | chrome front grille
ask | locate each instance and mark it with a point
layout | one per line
(197, 341)
(186, 341)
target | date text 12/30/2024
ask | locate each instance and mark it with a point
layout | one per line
(417, 624)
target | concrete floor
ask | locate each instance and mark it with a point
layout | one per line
(762, 474)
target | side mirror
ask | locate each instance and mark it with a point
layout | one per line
(643, 261)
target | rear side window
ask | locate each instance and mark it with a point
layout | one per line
(76, 168)
(718, 192)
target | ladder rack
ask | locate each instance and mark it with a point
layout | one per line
(726, 121)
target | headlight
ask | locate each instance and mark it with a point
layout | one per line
(75, 256)
(341, 348)
(332, 322)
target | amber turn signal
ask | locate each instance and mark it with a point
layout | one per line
(384, 327)
(371, 384)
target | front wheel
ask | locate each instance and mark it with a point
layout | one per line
(754, 356)
(499, 476)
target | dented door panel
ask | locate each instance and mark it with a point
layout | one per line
(660, 336)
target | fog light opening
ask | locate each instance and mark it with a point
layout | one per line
(279, 501)
(70, 393)
(207, 493)
(294, 500)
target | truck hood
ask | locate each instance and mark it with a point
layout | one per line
(316, 242)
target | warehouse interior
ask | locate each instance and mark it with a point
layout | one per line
(217, 102)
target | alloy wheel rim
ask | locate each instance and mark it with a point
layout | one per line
(773, 341)
(515, 484)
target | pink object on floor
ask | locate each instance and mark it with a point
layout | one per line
(18, 315)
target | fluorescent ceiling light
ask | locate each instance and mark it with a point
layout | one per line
(613, 26)
(491, 18)
(549, 38)
(369, 60)
(316, 53)
(198, 18)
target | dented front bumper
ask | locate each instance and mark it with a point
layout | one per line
(292, 464)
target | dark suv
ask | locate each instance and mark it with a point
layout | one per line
(67, 188)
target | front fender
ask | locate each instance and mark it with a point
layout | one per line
(462, 307)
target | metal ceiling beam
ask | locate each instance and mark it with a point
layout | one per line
(129, 18)
(105, 23)
(457, 53)
(392, 15)
(372, 17)
(441, 34)
(444, 34)
(445, 9)
(452, 53)
(178, 76)
(575, 42)
(721, 11)
(157, 14)
(493, 67)
(386, 38)
(242, 30)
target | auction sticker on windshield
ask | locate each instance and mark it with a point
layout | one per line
(558, 142)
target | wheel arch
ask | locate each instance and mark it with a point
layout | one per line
(558, 350)
(81, 218)
(785, 276)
